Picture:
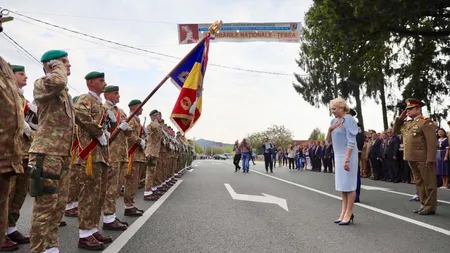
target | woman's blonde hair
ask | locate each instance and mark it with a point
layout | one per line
(340, 102)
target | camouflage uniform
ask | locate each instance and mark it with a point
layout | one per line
(50, 152)
(137, 161)
(164, 162)
(118, 163)
(74, 172)
(11, 129)
(90, 115)
(152, 151)
(19, 185)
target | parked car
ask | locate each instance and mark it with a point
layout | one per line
(220, 157)
(228, 155)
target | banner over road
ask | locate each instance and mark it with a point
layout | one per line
(242, 32)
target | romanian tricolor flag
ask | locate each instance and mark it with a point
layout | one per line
(188, 77)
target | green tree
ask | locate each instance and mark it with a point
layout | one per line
(279, 136)
(198, 149)
(316, 134)
(359, 49)
(256, 140)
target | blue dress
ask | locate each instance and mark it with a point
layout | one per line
(344, 137)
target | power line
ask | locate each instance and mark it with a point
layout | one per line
(145, 50)
(35, 60)
(15, 42)
(102, 18)
(17, 49)
(90, 41)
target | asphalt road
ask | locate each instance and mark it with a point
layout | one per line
(200, 215)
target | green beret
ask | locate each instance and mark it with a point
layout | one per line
(134, 102)
(111, 88)
(94, 74)
(74, 99)
(17, 68)
(53, 54)
(153, 112)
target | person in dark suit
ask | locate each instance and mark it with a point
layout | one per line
(383, 148)
(392, 151)
(318, 157)
(327, 159)
(312, 155)
(267, 150)
(360, 144)
(374, 156)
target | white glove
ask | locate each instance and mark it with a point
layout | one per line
(107, 134)
(102, 140)
(142, 143)
(26, 129)
(52, 63)
(193, 107)
(111, 116)
(124, 126)
(32, 107)
(33, 126)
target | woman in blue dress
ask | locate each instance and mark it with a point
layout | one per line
(342, 134)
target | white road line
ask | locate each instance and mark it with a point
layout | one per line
(411, 195)
(120, 241)
(412, 221)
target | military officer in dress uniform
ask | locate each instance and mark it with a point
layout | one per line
(12, 129)
(419, 142)
(50, 152)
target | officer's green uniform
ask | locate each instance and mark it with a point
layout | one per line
(420, 148)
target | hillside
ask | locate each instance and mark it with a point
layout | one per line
(211, 144)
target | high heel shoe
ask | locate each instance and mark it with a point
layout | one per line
(347, 222)
(337, 221)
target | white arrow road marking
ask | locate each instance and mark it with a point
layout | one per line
(261, 199)
(374, 188)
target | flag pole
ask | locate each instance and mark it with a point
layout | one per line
(213, 30)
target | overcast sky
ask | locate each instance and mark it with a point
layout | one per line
(235, 103)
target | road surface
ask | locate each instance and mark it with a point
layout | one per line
(214, 209)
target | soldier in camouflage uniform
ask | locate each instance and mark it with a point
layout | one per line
(183, 156)
(164, 154)
(12, 129)
(161, 188)
(74, 174)
(136, 161)
(118, 151)
(50, 152)
(154, 135)
(19, 183)
(93, 122)
(173, 157)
